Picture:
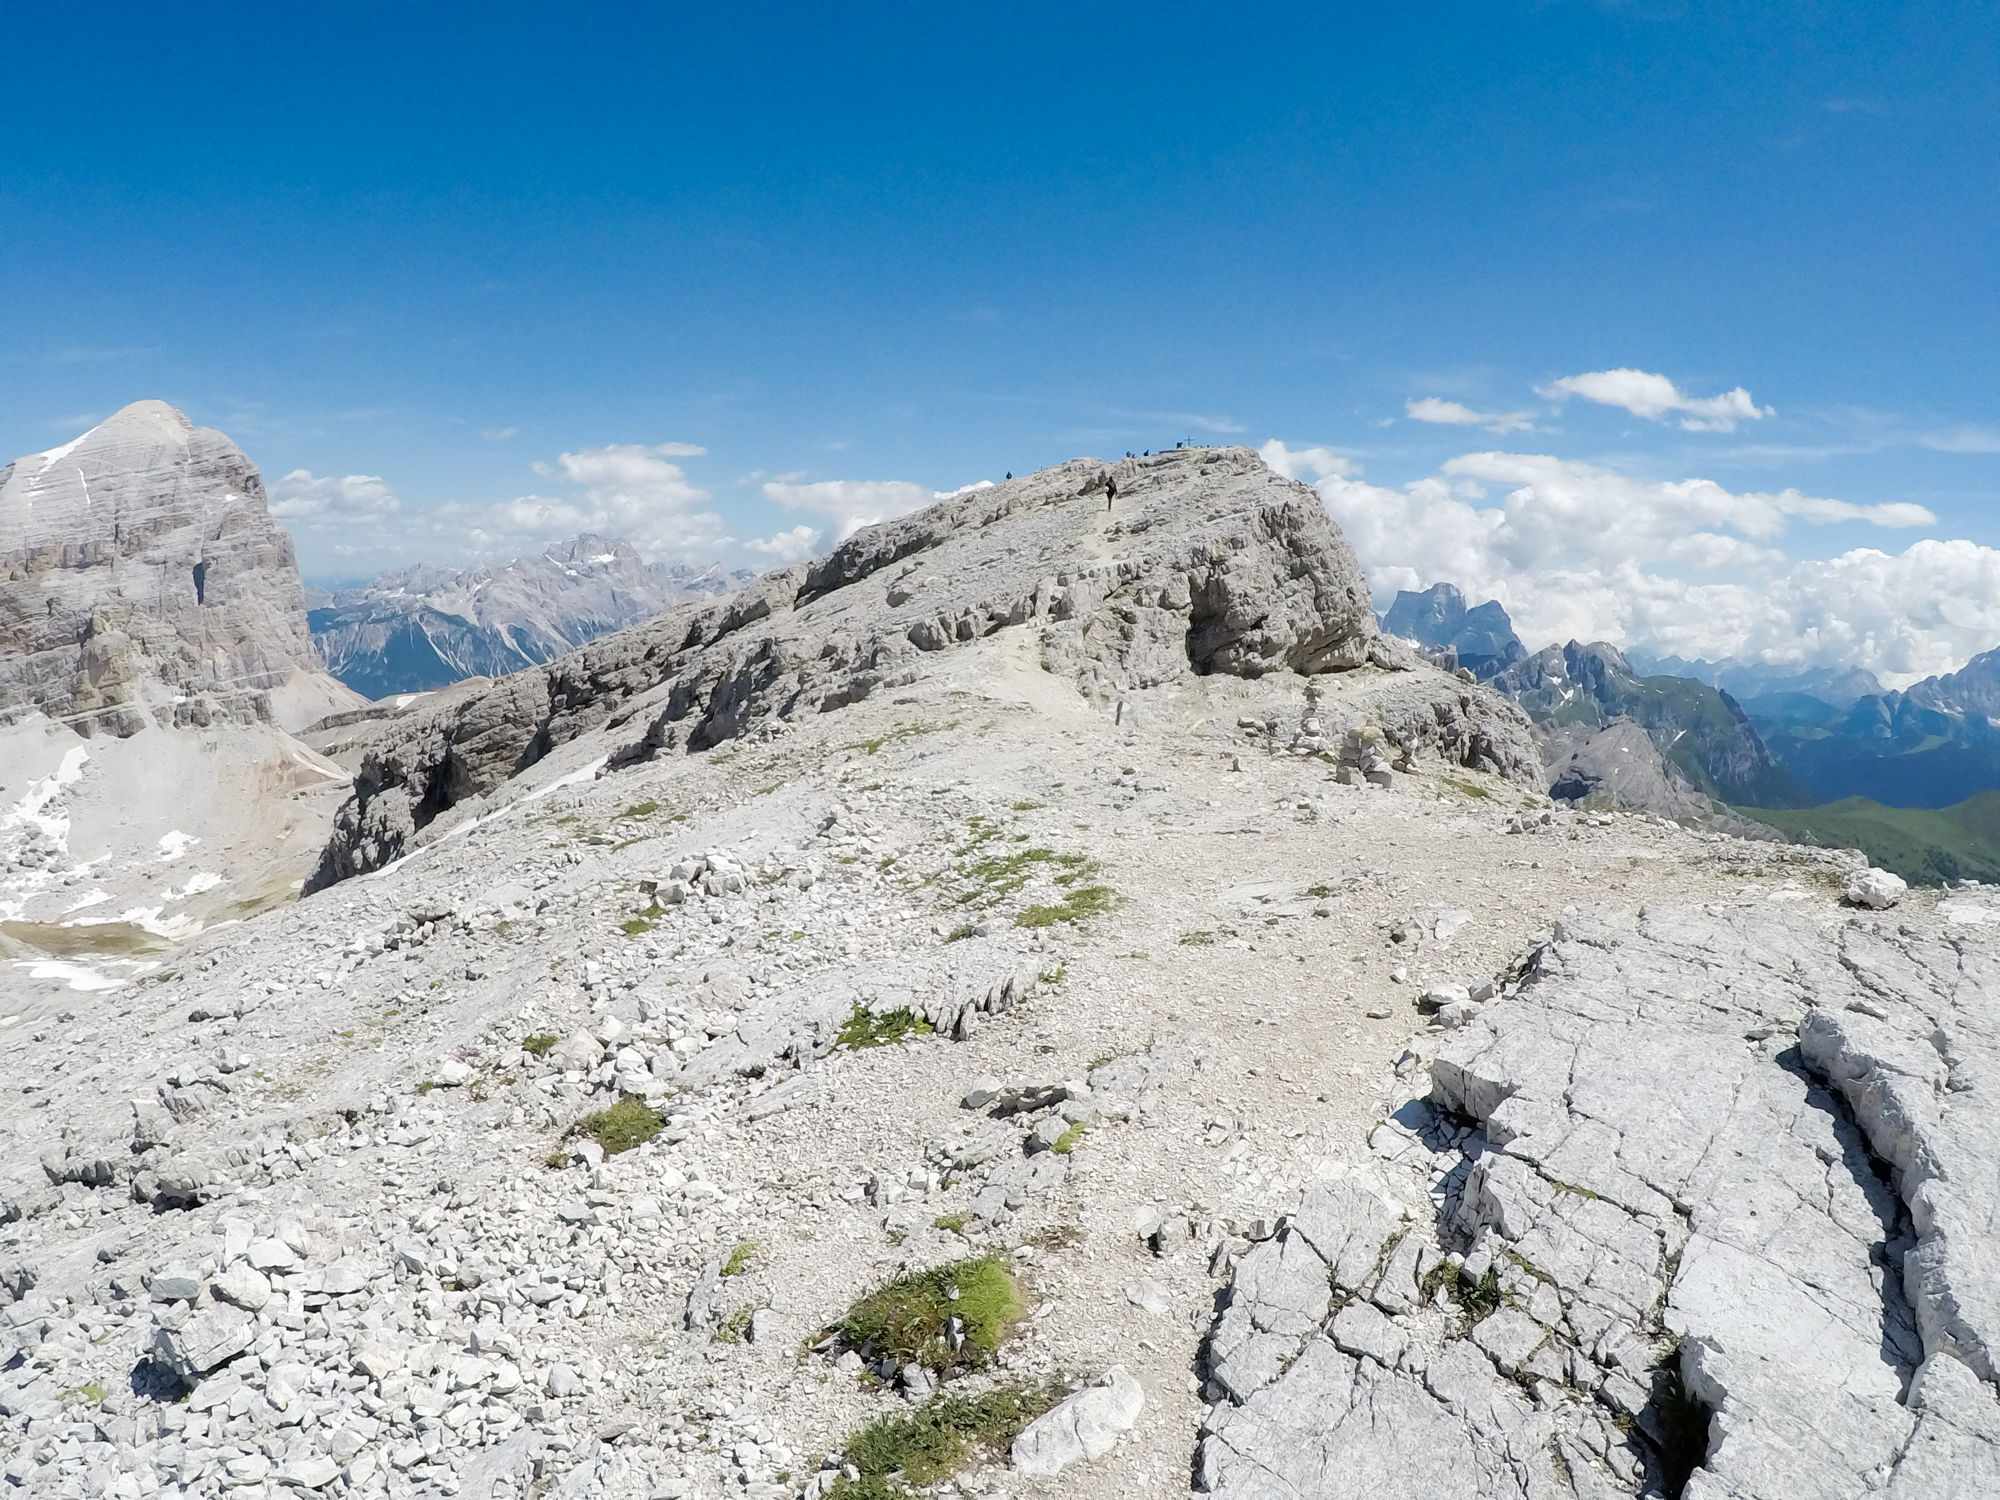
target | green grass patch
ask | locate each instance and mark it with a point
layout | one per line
(640, 810)
(740, 1258)
(1000, 875)
(864, 1028)
(732, 1329)
(1066, 1142)
(961, 932)
(626, 1124)
(540, 1044)
(1471, 789)
(955, 1222)
(1027, 804)
(901, 732)
(1197, 939)
(895, 1454)
(90, 1390)
(908, 1317)
(1924, 845)
(1085, 901)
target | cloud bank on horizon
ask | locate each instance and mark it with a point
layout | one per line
(634, 491)
(1576, 550)
(1573, 549)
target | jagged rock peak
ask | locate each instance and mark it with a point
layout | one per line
(1480, 638)
(142, 580)
(1118, 578)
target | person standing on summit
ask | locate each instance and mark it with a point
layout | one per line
(1110, 487)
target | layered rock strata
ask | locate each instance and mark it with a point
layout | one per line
(143, 581)
(1204, 562)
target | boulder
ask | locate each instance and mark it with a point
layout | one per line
(1876, 890)
(209, 1338)
(1084, 1426)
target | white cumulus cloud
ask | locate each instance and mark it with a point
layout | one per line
(1576, 550)
(1654, 396)
(786, 547)
(303, 495)
(629, 490)
(854, 503)
(1453, 414)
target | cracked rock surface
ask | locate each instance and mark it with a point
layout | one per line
(1705, 1201)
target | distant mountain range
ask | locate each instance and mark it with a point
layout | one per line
(1824, 754)
(419, 628)
(1745, 681)
(1584, 697)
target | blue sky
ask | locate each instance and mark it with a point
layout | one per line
(471, 274)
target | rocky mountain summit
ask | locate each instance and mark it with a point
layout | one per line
(1700, 732)
(1163, 1042)
(1206, 563)
(143, 581)
(418, 628)
(1673, 744)
(1479, 638)
(153, 657)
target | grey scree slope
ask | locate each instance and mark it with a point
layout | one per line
(1702, 1154)
(309, 1165)
(1207, 563)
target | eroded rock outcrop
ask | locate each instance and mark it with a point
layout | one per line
(1618, 765)
(1706, 1202)
(143, 581)
(1204, 562)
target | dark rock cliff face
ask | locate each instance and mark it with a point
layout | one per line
(1205, 562)
(1481, 638)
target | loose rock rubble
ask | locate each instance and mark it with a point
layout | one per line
(542, 1157)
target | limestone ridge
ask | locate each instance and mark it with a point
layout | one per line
(1206, 562)
(143, 581)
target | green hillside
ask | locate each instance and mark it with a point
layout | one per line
(1926, 846)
